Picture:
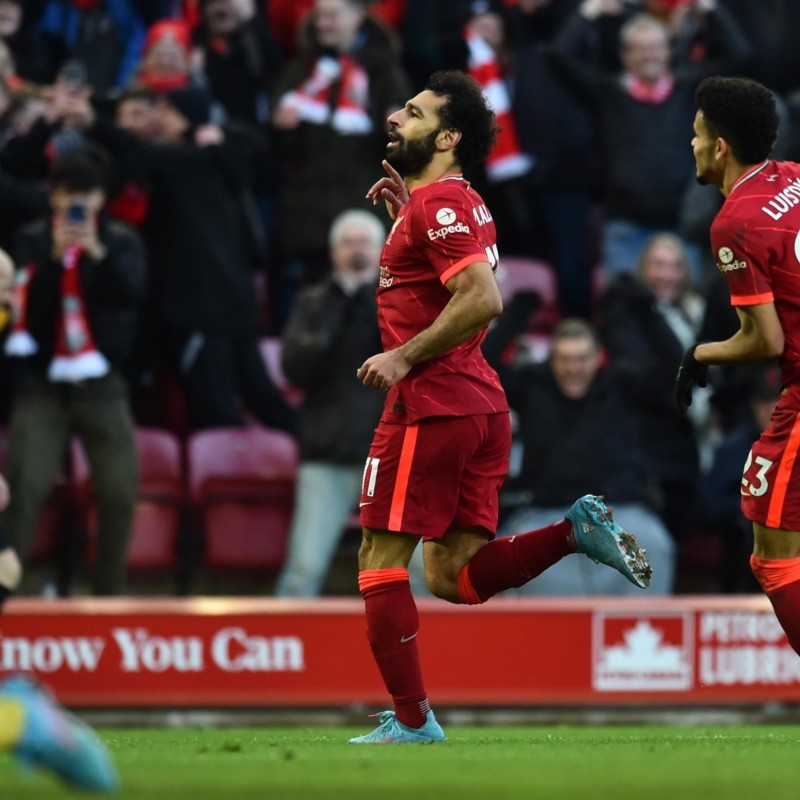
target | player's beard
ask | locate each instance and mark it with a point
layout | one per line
(411, 156)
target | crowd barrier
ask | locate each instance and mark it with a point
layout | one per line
(240, 652)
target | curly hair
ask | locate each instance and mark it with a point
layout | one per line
(741, 111)
(466, 111)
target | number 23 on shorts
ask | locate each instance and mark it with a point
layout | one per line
(757, 484)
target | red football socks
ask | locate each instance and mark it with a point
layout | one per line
(512, 561)
(392, 627)
(780, 579)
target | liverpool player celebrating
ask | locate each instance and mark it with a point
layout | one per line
(756, 243)
(440, 452)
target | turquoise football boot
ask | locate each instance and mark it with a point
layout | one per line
(55, 740)
(391, 731)
(602, 540)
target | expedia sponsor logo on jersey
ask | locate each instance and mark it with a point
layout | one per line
(783, 201)
(441, 233)
(727, 262)
(386, 278)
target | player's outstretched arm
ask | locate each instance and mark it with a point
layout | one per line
(760, 337)
(393, 190)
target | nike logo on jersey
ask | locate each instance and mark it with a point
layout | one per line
(404, 639)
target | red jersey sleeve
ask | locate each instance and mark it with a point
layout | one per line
(741, 254)
(447, 233)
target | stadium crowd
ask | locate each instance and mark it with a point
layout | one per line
(182, 194)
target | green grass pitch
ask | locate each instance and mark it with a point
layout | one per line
(728, 762)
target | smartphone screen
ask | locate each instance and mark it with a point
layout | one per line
(76, 213)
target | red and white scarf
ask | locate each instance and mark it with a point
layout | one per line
(312, 98)
(653, 93)
(506, 159)
(20, 343)
(76, 357)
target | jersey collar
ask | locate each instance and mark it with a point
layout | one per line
(749, 174)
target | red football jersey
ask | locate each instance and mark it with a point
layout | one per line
(755, 239)
(443, 228)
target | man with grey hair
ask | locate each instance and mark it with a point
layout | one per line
(576, 434)
(331, 330)
(641, 116)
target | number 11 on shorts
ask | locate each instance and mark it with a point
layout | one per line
(370, 477)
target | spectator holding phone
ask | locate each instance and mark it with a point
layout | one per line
(80, 280)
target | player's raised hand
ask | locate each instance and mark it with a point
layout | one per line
(393, 190)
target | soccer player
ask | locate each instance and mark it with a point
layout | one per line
(441, 449)
(756, 243)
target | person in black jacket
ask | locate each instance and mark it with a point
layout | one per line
(199, 253)
(577, 436)
(643, 119)
(331, 331)
(649, 318)
(80, 281)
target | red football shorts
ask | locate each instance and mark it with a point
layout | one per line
(771, 479)
(439, 474)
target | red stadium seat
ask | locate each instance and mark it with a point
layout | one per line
(515, 274)
(241, 487)
(53, 513)
(271, 353)
(159, 502)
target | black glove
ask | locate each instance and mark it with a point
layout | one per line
(691, 373)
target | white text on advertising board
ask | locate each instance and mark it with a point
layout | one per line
(230, 649)
(745, 648)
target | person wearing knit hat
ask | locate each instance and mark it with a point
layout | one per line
(165, 62)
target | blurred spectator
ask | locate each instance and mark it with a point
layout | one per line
(198, 237)
(240, 59)
(331, 120)
(332, 329)
(105, 35)
(644, 119)
(81, 279)
(16, 32)
(774, 59)
(693, 37)
(556, 130)
(578, 437)
(21, 200)
(165, 62)
(10, 567)
(286, 18)
(721, 485)
(650, 318)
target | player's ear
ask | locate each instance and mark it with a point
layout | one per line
(722, 148)
(448, 139)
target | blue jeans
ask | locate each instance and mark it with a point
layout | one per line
(325, 497)
(578, 576)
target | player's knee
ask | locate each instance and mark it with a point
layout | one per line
(441, 585)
